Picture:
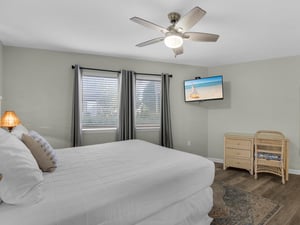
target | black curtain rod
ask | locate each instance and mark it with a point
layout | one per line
(152, 74)
(118, 71)
(86, 68)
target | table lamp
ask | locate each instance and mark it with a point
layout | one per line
(9, 120)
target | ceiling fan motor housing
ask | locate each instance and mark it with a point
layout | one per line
(174, 17)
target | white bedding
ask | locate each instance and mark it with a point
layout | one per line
(130, 182)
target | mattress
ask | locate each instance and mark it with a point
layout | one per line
(120, 183)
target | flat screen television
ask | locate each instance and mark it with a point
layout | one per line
(203, 89)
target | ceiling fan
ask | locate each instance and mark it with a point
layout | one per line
(177, 31)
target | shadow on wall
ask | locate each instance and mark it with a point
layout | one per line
(220, 104)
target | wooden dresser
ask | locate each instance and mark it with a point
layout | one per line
(238, 151)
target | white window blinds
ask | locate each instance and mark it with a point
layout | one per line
(99, 100)
(148, 101)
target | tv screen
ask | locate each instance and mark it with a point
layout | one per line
(207, 88)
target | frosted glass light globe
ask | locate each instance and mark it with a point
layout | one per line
(173, 41)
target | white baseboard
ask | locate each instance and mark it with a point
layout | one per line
(292, 171)
(216, 160)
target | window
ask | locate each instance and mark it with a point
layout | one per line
(148, 101)
(99, 100)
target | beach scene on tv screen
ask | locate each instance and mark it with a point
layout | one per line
(203, 89)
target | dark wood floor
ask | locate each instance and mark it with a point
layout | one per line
(268, 186)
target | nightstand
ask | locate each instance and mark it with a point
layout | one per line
(238, 151)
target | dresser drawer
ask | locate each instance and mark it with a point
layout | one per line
(238, 144)
(237, 153)
(239, 163)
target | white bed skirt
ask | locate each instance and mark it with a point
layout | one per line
(190, 211)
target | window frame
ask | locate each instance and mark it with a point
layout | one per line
(105, 74)
(102, 74)
(148, 126)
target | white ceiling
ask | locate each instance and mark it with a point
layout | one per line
(249, 29)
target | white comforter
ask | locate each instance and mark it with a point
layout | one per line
(116, 183)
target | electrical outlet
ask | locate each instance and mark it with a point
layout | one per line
(188, 143)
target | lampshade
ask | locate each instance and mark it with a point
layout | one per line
(173, 40)
(9, 120)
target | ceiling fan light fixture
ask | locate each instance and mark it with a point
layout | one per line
(173, 40)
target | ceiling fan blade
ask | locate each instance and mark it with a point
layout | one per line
(178, 51)
(150, 42)
(197, 36)
(190, 19)
(149, 24)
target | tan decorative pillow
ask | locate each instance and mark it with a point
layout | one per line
(43, 158)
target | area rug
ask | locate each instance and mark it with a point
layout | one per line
(233, 206)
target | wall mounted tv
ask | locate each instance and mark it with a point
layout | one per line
(203, 89)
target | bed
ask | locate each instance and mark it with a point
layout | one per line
(121, 183)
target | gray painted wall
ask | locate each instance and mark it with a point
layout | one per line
(1, 72)
(259, 95)
(39, 87)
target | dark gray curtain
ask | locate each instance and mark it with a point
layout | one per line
(166, 138)
(126, 128)
(76, 124)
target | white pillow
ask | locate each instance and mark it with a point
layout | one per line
(22, 178)
(19, 130)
